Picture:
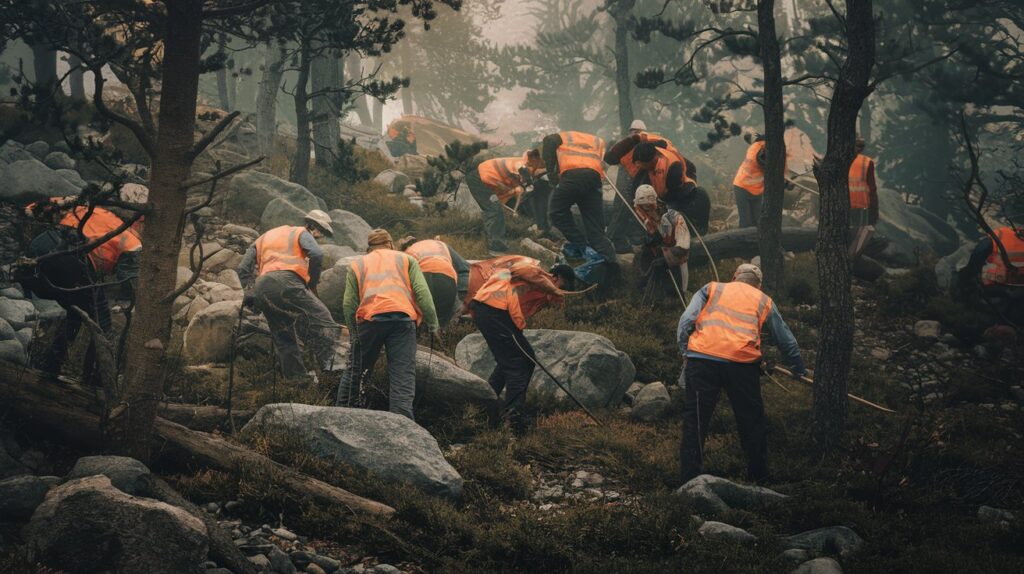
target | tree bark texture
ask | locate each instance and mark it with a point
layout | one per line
(354, 71)
(835, 343)
(770, 223)
(406, 62)
(222, 77)
(745, 243)
(266, 98)
(76, 79)
(326, 83)
(150, 331)
(72, 412)
(621, 11)
(378, 115)
(303, 141)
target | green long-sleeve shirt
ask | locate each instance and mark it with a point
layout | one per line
(421, 293)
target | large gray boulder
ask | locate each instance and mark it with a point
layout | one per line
(464, 202)
(831, 540)
(651, 402)
(87, 525)
(126, 474)
(250, 192)
(911, 229)
(20, 495)
(441, 384)
(18, 312)
(387, 445)
(349, 229)
(592, 369)
(59, 160)
(394, 181)
(13, 151)
(331, 289)
(208, 336)
(13, 351)
(335, 253)
(280, 212)
(6, 331)
(713, 495)
(30, 180)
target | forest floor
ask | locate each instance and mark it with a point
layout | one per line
(572, 496)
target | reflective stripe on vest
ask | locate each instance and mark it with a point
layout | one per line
(101, 222)
(279, 250)
(729, 325)
(501, 175)
(750, 176)
(860, 193)
(580, 151)
(481, 271)
(384, 285)
(995, 272)
(433, 257)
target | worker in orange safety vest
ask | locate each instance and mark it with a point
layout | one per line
(445, 271)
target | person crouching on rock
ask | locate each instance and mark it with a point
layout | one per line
(386, 296)
(286, 262)
(500, 309)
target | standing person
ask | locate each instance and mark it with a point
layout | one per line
(286, 262)
(719, 335)
(386, 297)
(500, 310)
(574, 165)
(863, 200)
(495, 182)
(748, 185)
(667, 248)
(445, 271)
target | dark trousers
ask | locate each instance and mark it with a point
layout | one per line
(582, 188)
(293, 313)
(444, 293)
(705, 379)
(398, 338)
(537, 204)
(623, 226)
(514, 369)
(493, 212)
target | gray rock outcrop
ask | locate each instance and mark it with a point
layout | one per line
(713, 495)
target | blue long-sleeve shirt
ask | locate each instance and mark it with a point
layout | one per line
(247, 268)
(784, 339)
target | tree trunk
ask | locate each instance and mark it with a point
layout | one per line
(266, 98)
(326, 82)
(770, 224)
(353, 70)
(620, 13)
(865, 121)
(76, 79)
(150, 332)
(222, 77)
(303, 141)
(835, 343)
(44, 64)
(378, 115)
(406, 62)
(745, 243)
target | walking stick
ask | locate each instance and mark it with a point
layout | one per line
(711, 260)
(231, 365)
(557, 382)
(809, 381)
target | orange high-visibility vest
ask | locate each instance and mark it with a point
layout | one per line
(630, 166)
(434, 257)
(522, 300)
(279, 250)
(580, 150)
(100, 223)
(750, 175)
(501, 175)
(384, 285)
(481, 271)
(860, 193)
(658, 175)
(729, 325)
(995, 271)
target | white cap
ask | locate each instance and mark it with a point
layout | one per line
(645, 195)
(638, 125)
(322, 220)
(748, 273)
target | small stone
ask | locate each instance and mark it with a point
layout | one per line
(233, 505)
(219, 571)
(386, 569)
(38, 149)
(20, 495)
(280, 562)
(990, 515)
(726, 532)
(880, 354)
(212, 507)
(250, 549)
(796, 555)
(314, 569)
(927, 329)
(836, 540)
(326, 562)
(285, 534)
(12, 292)
(300, 558)
(819, 566)
(260, 561)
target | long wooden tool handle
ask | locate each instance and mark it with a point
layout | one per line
(852, 397)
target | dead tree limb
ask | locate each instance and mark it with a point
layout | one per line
(71, 410)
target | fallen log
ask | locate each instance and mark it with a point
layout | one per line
(744, 243)
(205, 418)
(72, 411)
